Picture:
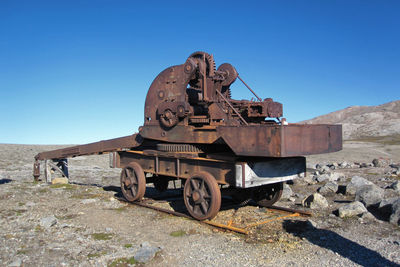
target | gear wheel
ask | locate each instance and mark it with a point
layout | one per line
(209, 61)
(179, 148)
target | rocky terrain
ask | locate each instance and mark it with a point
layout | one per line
(353, 195)
(360, 122)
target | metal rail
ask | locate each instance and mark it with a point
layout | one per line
(228, 226)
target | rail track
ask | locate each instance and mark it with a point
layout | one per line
(230, 225)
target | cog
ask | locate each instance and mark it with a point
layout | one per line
(209, 61)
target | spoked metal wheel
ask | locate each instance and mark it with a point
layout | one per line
(267, 195)
(133, 182)
(202, 196)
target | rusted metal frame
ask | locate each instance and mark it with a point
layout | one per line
(248, 87)
(232, 107)
(90, 149)
(183, 167)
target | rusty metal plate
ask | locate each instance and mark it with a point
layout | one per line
(282, 140)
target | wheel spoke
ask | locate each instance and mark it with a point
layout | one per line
(204, 207)
(127, 173)
(194, 184)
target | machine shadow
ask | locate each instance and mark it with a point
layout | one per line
(336, 243)
(5, 181)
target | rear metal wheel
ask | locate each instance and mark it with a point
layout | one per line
(267, 195)
(133, 182)
(202, 196)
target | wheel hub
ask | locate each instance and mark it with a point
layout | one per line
(196, 196)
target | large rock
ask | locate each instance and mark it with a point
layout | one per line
(322, 177)
(315, 201)
(146, 252)
(356, 183)
(386, 206)
(334, 176)
(369, 195)
(287, 192)
(60, 180)
(352, 209)
(48, 222)
(396, 187)
(328, 188)
(395, 217)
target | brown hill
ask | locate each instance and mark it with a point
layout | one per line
(365, 121)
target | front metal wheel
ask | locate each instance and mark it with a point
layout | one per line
(133, 182)
(202, 196)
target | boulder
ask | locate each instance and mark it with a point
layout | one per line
(344, 164)
(386, 206)
(328, 188)
(146, 252)
(369, 195)
(48, 222)
(315, 201)
(287, 192)
(352, 209)
(395, 217)
(60, 180)
(377, 162)
(355, 183)
(334, 176)
(396, 187)
(322, 177)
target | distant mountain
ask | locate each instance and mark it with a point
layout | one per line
(365, 121)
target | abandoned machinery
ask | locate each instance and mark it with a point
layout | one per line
(194, 131)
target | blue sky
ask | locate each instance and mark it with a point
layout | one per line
(78, 71)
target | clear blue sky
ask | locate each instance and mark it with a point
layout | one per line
(78, 71)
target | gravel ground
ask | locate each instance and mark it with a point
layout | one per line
(83, 224)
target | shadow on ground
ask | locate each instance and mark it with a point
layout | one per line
(5, 181)
(336, 243)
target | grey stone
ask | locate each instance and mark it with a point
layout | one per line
(352, 209)
(88, 201)
(344, 164)
(311, 224)
(325, 169)
(368, 216)
(16, 263)
(309, 179)
(328, 188)
(315, 201)
(369, 195)
(395, 186)
(395, 217)
(287, 192)
(377, 162)
(334, 176)
(48, 222)
(322, 177)
(146, 252)
(385, 206)
(355, 183)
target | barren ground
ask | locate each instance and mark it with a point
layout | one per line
(93, 228)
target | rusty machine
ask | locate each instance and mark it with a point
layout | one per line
(194, 131)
